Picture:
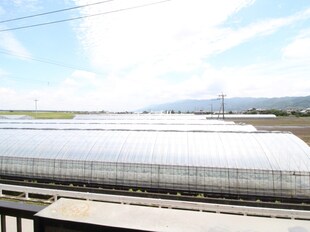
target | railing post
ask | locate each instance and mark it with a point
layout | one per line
(3, 223)
(19, 224)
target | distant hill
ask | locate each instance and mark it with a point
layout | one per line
(233, 104)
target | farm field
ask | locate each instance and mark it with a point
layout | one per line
(300, 126)
(41, 115)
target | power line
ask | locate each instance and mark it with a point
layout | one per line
(55, 11)
(86, 16)
(9, 77)
(46, 61)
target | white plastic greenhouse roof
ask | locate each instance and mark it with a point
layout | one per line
(120, 121)
(244, 116)
(251, 150)
(139, 117)
(129, 126)
(15, 117)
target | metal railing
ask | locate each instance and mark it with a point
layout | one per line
(18, 210)
(51, 195)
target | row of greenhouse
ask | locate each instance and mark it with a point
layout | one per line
(189, 155)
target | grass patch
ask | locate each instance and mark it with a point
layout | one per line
(41, 115)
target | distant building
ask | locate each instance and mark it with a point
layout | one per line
(305, 111)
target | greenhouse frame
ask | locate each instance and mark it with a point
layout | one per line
(254, 163)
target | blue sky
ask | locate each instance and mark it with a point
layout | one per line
(175, 50)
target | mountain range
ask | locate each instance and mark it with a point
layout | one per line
(233, 104)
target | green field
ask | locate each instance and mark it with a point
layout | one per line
(41, 115)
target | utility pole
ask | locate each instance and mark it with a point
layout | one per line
(222, 96)
(36, 106)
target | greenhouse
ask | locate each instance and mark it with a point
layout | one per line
(248, 163)
(175, 121)
(127, 125)
(140, 117)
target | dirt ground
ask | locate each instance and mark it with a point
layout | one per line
(298, 126)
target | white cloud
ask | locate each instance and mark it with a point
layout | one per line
(3, 73)
(140, 48)
(128, 38)
(218, 39)
(26, 4)
(142, 52)
(9, 99)
(299, 48)
(273, 79)
(6, 91)
(173, 34)
(9, 42)
(2, 11)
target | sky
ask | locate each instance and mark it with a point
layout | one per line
(124, 60)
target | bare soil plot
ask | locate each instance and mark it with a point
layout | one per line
(298, 126)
